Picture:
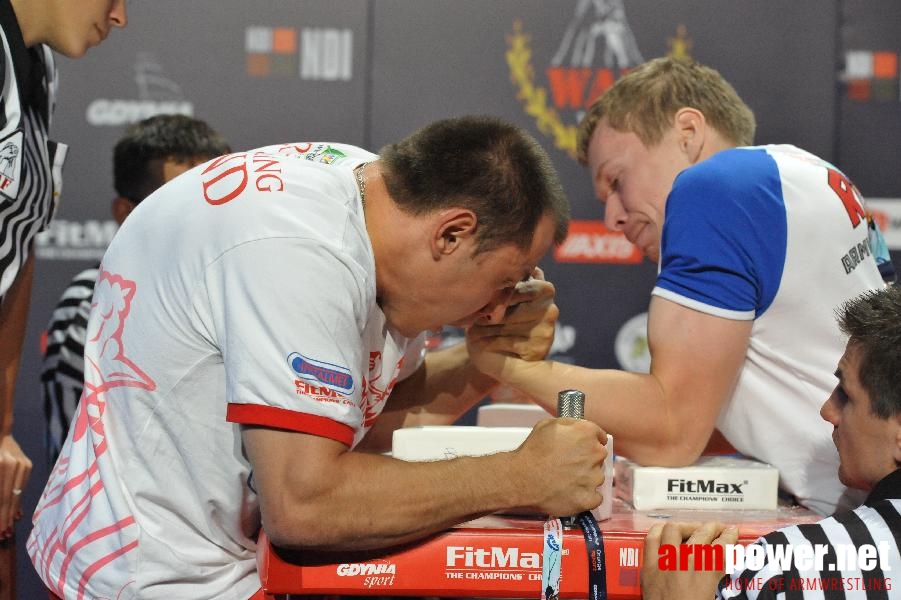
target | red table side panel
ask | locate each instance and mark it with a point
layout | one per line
(494, 557)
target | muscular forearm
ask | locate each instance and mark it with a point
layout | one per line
(648, 425)
(445, 387)
(333, 499)
(389, 502)
(665, 417)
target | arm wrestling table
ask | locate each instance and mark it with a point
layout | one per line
(496, 556)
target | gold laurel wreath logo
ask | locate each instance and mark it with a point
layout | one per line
(534, 98)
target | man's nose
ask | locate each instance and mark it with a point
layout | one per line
(829, 411)
(117, 14)
(495, 310)
(614, 215)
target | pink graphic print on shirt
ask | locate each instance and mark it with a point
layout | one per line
(375, 391)
(75, 490)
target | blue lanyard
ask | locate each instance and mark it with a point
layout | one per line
(594, 548)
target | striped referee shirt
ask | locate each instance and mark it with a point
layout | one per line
(62, 376)
(876, 522)
(30, 163)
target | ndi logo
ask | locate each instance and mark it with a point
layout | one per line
(327, 374)
(313, 53)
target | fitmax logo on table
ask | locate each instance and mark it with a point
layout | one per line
(708, 490)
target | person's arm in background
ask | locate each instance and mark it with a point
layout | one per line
(15, 467)
(447, 384)
(316, 494)
(663, 418)
(62, 371)
(682, 584)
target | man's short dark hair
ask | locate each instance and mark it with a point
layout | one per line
(138, 155)
(484, 164)
(873, 323)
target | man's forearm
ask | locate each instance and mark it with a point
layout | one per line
(438, 393)
(446, 386)
(633, 407)
(334, 499)
(404, 501)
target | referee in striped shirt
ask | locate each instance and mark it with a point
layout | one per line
(865, 412)
(149, 154)
(30, 179)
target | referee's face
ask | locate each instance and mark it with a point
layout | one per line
(867, 444)
(77, 26)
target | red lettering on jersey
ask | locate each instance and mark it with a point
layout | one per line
(224, 179)
(268, 169)
(845, 191)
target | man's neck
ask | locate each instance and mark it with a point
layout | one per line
(889, 487)
(28, 15)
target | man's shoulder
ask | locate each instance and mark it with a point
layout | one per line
(873, 519)
(742, 184)
(730, 169)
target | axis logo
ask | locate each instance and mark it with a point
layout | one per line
(592, 242)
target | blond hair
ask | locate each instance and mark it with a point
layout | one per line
(645, 100)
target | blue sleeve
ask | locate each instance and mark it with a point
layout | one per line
(724, 235)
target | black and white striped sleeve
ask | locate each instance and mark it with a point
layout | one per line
(62, 376)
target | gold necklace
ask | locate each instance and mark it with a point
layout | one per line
(361, 183)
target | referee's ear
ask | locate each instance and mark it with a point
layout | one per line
(122, 207)
(896, 454)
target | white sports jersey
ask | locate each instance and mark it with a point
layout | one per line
(776, 235)
(242, 292)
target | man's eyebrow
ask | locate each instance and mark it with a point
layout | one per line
(599, 171)
(838, 373)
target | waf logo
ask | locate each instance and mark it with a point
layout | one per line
(596, 48)
(10, 150)
(592, 242)
(332, 376)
